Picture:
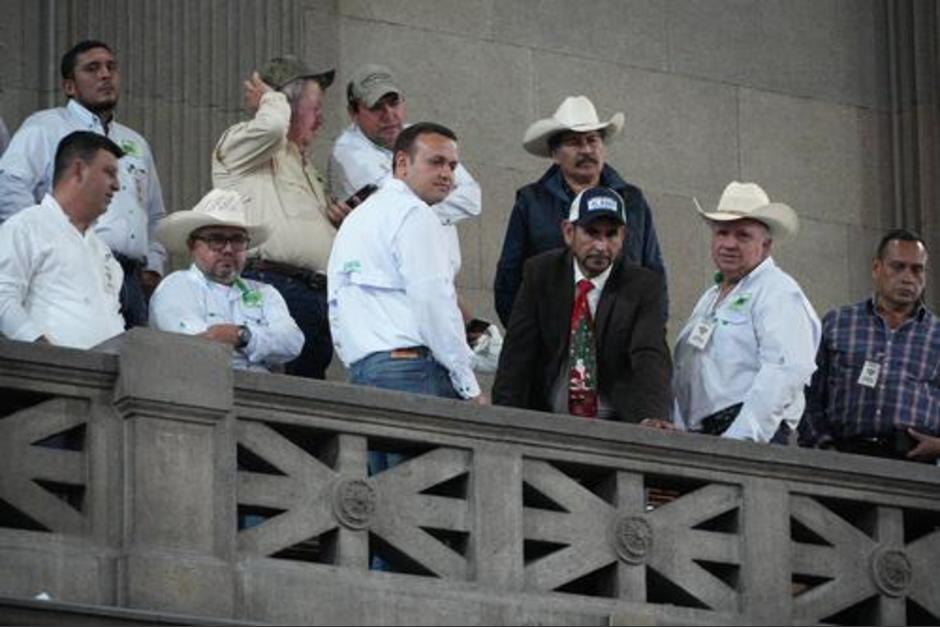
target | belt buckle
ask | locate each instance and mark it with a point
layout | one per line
(405, 353)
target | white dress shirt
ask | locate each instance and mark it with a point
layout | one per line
(761, 353)
(57, 282)
(189, 303)
(127, 226)
(391, 285)
(357, 161)
(560, 388)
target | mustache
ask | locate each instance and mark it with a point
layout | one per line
(586, 159)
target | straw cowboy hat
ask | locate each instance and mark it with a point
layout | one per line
(220, 207)
(576, 113)
(748, 200)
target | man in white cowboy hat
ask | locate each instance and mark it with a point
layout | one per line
(574, 138)
(266, 159)
(749, 348)
(210, 299)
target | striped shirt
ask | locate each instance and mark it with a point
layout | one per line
(905, 392)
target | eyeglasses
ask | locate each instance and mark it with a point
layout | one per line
(217, 243)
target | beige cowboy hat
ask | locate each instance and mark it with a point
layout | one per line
(576, 113)
(220, 207)
(748, 200)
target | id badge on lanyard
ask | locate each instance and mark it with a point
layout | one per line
(702, 332)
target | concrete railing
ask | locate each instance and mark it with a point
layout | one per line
(154, 479)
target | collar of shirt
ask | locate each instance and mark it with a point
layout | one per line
(594, 296)
(230, 292)
(63, 218)
(363, 138)
(919, 312)
(88, 119)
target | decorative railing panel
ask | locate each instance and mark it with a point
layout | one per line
(252, 498)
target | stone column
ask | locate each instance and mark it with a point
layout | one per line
(175, 395)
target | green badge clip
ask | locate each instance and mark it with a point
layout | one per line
(250, 298)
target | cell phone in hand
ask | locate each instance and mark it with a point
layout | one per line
(477, 326)
(903, 442)
(360, 195)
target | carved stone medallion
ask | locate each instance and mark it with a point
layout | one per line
(354, 502)
(632, 538)
(892, 571)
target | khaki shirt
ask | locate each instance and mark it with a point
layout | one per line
(284, 190)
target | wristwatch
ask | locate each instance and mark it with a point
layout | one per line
(244, 337)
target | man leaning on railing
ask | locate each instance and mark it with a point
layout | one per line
(877, 387)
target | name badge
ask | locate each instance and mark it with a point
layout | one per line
(702, 333)
(870, 373)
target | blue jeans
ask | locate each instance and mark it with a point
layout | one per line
(420, 375)
(308, 308)
(133, 300)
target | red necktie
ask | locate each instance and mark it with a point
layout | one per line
(582, 358)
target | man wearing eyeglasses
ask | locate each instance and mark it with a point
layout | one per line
(211, 299)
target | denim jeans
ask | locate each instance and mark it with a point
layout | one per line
(133, 300)
(308, 308)
(420, 375)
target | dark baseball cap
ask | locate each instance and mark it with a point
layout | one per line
(596, 202)
(280, 71)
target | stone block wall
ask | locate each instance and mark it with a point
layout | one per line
(797, 95)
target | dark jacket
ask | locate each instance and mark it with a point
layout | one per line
(535, 227)
(633, 362)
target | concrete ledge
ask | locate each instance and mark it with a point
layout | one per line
(31, 612)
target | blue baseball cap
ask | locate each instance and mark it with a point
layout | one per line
(594, 203)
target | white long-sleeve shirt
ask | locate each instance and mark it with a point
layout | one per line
(357, 161)
(761, 353)
(56, 281)
(127, 226)
(391, 285)
(189, 303)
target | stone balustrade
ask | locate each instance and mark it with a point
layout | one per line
(150, 477)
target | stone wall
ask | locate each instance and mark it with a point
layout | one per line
(799, 95)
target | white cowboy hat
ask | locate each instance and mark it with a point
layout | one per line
(576, 113)
(748, 200)
(220, 207)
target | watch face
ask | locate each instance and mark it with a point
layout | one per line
(244, 337)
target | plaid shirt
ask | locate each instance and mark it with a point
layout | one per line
(907, 392)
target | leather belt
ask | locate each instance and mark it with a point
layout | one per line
(414, 352)
(718, 423)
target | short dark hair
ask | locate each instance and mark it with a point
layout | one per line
(407, 138)
(554, 141)
(902, 235)
(82, 145)
(70, 58)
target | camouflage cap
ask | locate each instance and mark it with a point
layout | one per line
(280, 71)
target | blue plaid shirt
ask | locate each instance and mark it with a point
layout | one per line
(907, 392)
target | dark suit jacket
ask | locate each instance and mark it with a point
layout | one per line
(633, 362)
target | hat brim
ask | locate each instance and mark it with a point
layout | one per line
(777, 216)
(380, 92)
(174, 230)
(324, 78)
(535, 140)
